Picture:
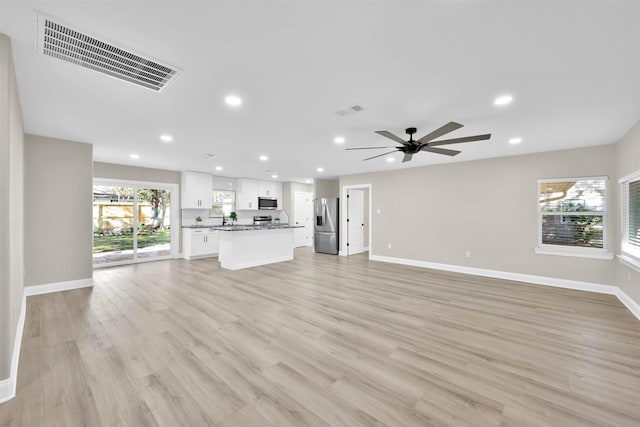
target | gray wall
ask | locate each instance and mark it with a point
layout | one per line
(133, 173)
(11, 206)
(58, 210)
(487, 207)
(326, 188)
(627, 162)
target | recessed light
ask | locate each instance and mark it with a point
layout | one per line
(320, 169)
(309, 181)
(166, 138)
(503, 100)
(233, 101)
(134, 156)
(515, 140)
(274, 176)
(391, 159)
(264, 158)
(339, 140)
(218, 168)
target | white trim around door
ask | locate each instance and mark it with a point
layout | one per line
(343, 216)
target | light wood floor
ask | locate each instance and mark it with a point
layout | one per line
(323, 341)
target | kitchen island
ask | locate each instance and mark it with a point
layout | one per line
(243, 246)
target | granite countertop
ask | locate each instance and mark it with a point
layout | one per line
(243, 227)
(246, 227)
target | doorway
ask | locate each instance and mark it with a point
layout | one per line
(356, 222)
(302, 215)
(132, 222)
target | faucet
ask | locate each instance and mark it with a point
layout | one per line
(224, 220)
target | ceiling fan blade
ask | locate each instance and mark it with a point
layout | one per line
(407, 157)
(366, 148)
(449, 127)
(441, 151)
(459, 140)
(379, 155)
(391, 136)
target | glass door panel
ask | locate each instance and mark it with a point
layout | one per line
(113, 224)
(154, 222)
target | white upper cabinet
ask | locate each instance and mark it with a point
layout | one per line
(196, 190)
(269, 189)
(247, 194)
(248, 191)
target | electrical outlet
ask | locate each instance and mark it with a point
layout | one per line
(468, 254)
(389, 246)
(377, 211)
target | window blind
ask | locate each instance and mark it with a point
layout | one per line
(633, 203)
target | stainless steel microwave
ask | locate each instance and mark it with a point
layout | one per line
(266, 203)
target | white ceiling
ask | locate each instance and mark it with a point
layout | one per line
(572, 67)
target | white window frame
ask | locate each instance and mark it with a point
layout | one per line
(573, 251)
(629, 255)
(233, 204)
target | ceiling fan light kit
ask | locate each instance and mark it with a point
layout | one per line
(426, 143)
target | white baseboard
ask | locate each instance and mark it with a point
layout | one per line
(633, 306)
(57, 287)
(8, 386)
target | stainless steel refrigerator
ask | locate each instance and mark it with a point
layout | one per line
(326, 226)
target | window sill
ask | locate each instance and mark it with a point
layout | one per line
(578, 254)
(629, 262)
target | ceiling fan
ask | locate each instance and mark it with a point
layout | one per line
(426, 143)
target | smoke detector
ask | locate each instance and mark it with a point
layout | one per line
(63, 42)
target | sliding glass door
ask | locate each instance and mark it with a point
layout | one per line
(131, 222)
(154, 222)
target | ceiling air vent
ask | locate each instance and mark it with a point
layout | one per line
(349, 110)
(63, 42)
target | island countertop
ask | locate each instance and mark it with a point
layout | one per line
(241, 227)
(244, 227)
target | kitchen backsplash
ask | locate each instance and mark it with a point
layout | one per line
(244, 217)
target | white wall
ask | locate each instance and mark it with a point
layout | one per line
(58, 210)
(11, 207)
(627, 162)
(289, 195)
(488, 207)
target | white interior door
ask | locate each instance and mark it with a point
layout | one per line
(302, 215)
(355, 222)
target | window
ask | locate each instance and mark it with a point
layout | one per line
(631, 215)
(572, 217)
(223, 203)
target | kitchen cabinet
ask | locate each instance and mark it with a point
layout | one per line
(199, 243)
(250, 248)
(269, 189)
(196, 190)
(247, 194)
(248, 191)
